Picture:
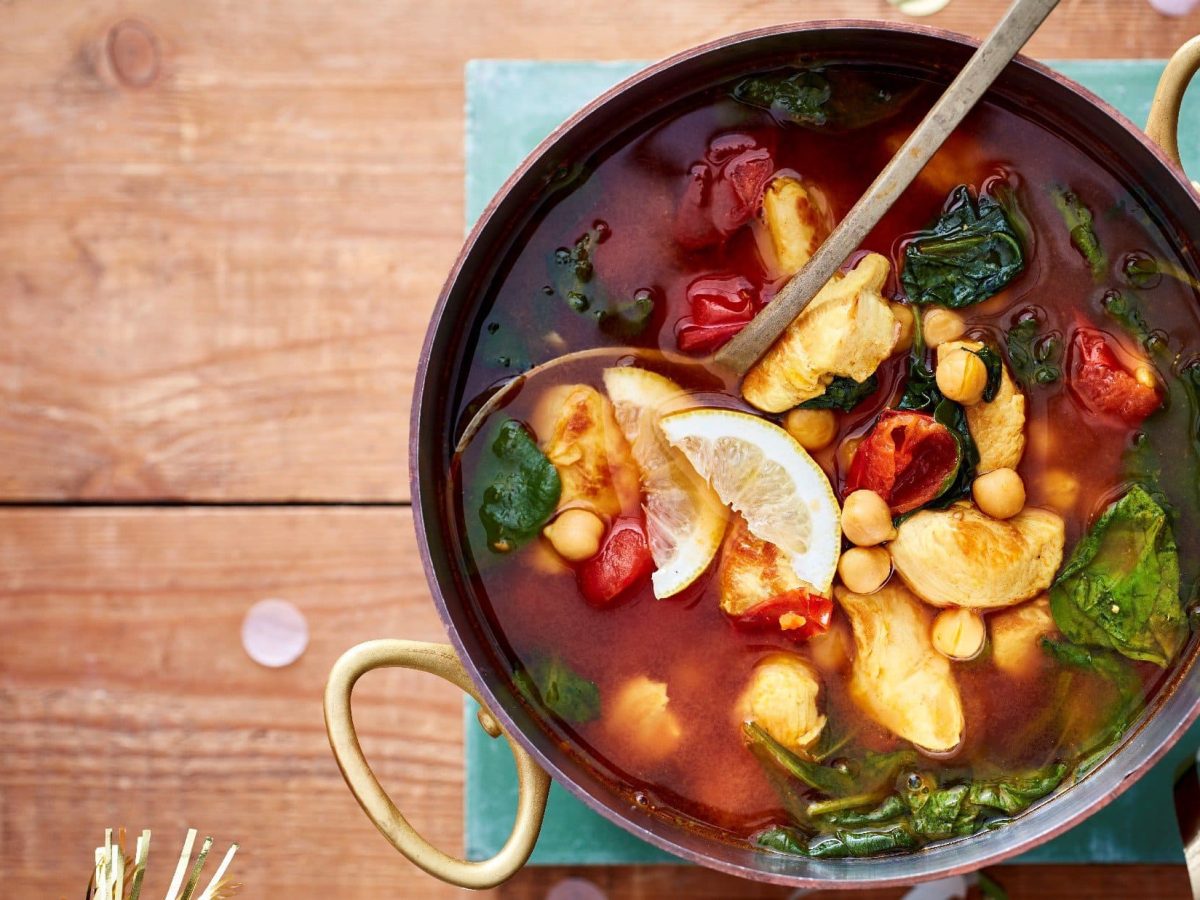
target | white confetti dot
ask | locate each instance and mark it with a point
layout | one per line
(274, 633)
(1174, 7)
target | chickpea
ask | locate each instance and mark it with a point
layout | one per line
(904, 315)
(941, 325)
(813, 429)
(962, 377)
(845, 452)
(1145, 376)
(864, 570)
(958, 633)
(1000, 493)
(575, 534)
(866, 519)
(1060, 489)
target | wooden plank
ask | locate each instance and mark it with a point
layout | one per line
(126, 697)
(223, 226)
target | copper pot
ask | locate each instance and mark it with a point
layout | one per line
(1149, 160)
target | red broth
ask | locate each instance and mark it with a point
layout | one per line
(630, 197)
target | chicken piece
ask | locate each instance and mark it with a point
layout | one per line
(1016, 637)
(997, 426)
(640, 715)
(848, 329)
(897, 678)
(591, 454)
(961, 557)
(781, 696)
(752, 571)
(796, 221)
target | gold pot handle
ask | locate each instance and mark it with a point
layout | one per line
(440, 660)
(1162, 125)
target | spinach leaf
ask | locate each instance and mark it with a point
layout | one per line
(995, 371)
(921, 811)
(627, 320)
(867, 776)
(968, 256)
(863, 842)
(522, 489)
(839, 844)
(1015, 793)
(836, 97)
(920, 391)
(944, 812)
(799, 97)
(1125, 682)
(1035, 359)
(1078, 219)
(551, 682)
(782, 839)
(1123, 308)
(1120, 588)
(843, 393)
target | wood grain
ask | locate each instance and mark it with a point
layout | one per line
(223, 225)
(126, 697)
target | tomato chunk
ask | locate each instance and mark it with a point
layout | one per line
(908, 458)
(1103, 385)
(623, 562)
(797, 614)
(721, 306)
(723, 191)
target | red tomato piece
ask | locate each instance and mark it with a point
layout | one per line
(623, 561)
(723, 191)
(908, 459)
(798, 614)
(721, 306)
(1103, 385)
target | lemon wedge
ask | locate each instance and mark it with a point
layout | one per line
(759, 469)
(685, 519)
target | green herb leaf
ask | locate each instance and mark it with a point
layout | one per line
(628, 320)
(843, 393)
(1078, 219)
(863, 842)
(782, 839)
(552, 682)
(522, 489)
(1123, 309)
(1035, 359)
(873, 773)
(1141, 271)
(1120, 589)
(969, 255)
(1015, 793)
(837, 97)
(1113, 668)
(995, 371)
(799, 97)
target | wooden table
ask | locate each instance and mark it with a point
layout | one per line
(222, 229)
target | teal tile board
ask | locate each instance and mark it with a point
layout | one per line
(510, 106)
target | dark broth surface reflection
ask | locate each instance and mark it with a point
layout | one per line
(630, 198)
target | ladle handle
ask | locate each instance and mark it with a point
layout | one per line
(1009, 36)
(1162, 125)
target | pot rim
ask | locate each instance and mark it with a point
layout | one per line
(424, 495)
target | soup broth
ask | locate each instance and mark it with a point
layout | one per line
(651, 692)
